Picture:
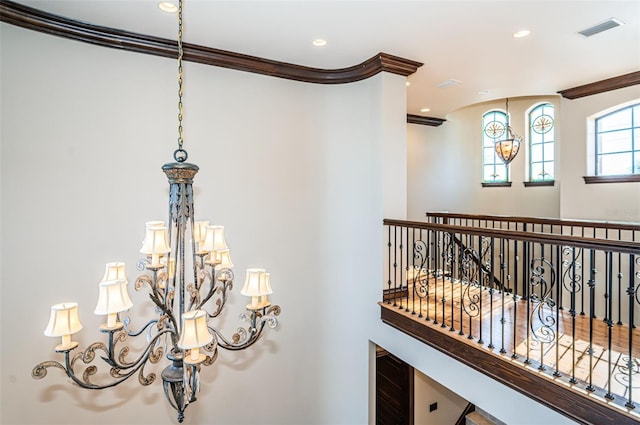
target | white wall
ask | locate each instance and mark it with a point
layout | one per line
(452, 154)
(606, 201)
(294, 171)
(426, 392)
(445, 167)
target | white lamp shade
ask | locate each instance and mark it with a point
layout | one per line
(155, 240)
(214, 239)
(64, 320)
(200, 231)
(251, 286)
(224, 260)
(195, 332)
(265, 284)
(114, 271)
(113, 297)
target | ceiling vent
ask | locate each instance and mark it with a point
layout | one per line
(448, 83)
(604, 26)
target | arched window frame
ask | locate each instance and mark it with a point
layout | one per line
(541, 143)
(494, 170)
(619, 139)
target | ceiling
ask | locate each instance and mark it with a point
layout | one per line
(468, 41)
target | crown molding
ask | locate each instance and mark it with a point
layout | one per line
(37, 20)
(602, 86)
(419, 119)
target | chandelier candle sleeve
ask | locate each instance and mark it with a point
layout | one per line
(64, 322)
(155, 242)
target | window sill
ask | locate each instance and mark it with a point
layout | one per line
(539, 183)
(496, 184)
(623, 178)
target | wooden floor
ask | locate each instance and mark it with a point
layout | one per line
(503, 328)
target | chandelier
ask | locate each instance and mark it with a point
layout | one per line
(508, 148)
(188, 276)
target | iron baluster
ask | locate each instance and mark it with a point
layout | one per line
(401, 269)
(609, 320)
(632, 368)
(592, 289)
(389, 264)
(491, 290)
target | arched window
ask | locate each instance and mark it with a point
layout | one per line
(494, 125)
(541, 143)
(617, 142)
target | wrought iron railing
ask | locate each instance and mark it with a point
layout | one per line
(561, 305)
(612, 231)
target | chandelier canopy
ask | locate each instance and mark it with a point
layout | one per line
(188, 275)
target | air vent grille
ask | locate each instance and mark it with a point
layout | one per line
(448, 83)
(604, 26)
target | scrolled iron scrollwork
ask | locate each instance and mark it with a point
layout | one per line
(543, 277)
(418, 273)
(572, 269)
(471, 275)
(628, 371)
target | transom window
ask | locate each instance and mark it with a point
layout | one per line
(541, 143)
(618, 142)
(494, 128)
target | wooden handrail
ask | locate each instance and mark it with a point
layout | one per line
(539, 220)
(542, 238)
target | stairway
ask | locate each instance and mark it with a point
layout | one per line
(480, 417)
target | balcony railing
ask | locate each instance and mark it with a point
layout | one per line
(559, 308)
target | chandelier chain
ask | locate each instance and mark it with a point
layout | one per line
(180, 154)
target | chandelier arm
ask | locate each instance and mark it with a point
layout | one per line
(258, 320)
(169, 314)
(127, 320)
(120, 362)
(88, 356)
(153, 282)
(194, 288)
(203, 275)
(220, 303)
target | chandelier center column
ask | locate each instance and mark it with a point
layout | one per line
(181, 221)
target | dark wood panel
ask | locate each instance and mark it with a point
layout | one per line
(602, 86)
(394, 391)
(37, 20)
(564, 400)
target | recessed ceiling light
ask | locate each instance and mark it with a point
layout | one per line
(521, 33)
(167, 6)
(318, 42)
(425, 110)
